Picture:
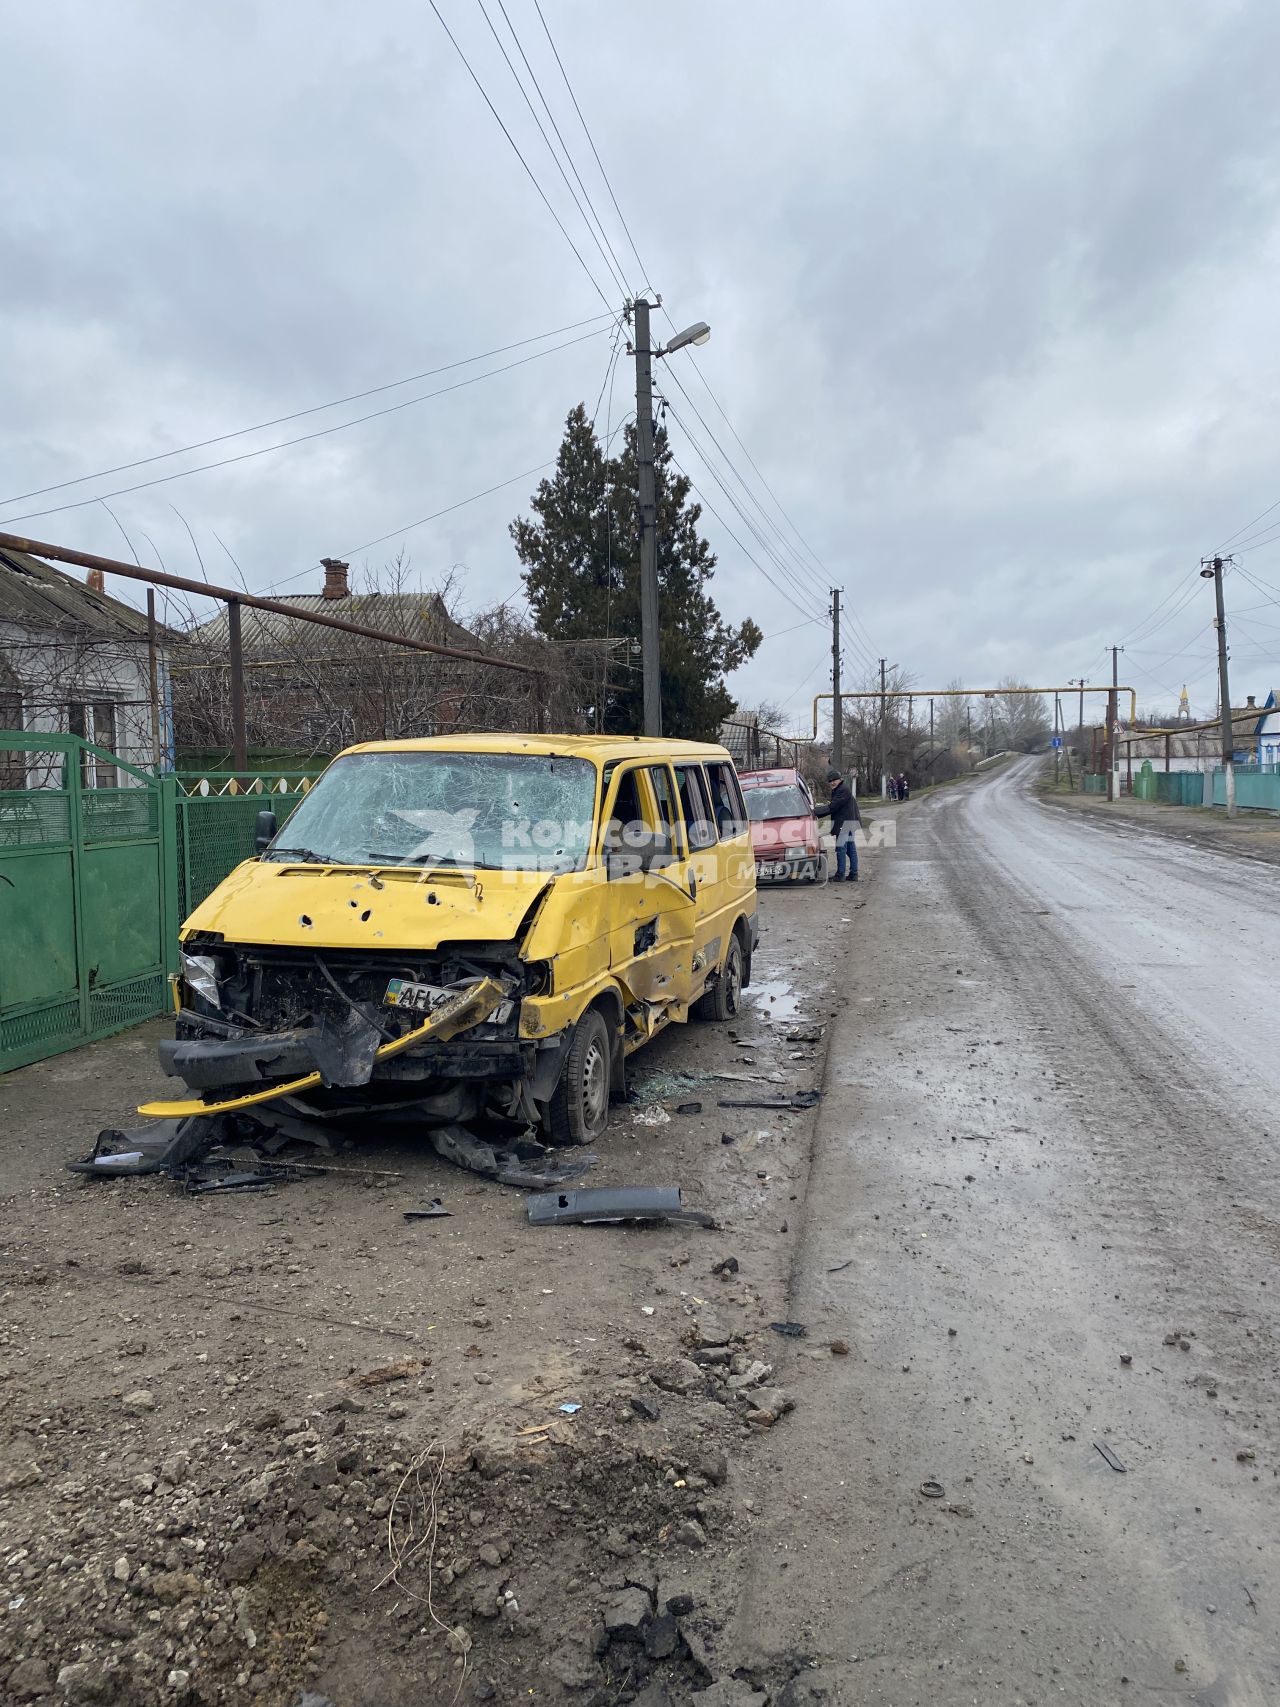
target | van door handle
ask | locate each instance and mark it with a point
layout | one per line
(693, 885)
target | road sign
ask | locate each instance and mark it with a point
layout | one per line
(1057, 740)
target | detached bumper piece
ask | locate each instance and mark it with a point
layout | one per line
(602, 1204)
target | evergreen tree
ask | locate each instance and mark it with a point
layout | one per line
(581, 557)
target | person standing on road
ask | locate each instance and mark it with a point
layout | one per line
(904, 787)
(845, 821)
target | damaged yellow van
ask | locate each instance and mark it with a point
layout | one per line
(466, 927)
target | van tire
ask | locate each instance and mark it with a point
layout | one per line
(724, 999)
(579, 1107)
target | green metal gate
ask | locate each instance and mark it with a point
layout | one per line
(88, 897)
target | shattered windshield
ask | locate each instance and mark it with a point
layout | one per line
(766, 803)
(525, 811)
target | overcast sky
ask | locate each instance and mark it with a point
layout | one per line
(992, 287)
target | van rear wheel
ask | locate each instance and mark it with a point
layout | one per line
(579, 1108)
(724, 998)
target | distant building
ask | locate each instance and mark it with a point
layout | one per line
(1195, 746)
(1268, 731)
(75, 661)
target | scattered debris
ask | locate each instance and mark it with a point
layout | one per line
(791, 1330)
(433, 1212)
(644, 1408)
(654, 1115)
(1126, 1357)
(839, 1348)
(689, 1108)
(402, 1371)
(725, 1267)
(1109, 1455)
(728, 1137)
(607, 1204)
(841, 1266)
(1246, 1455)
(570, 1409)
(932, 1490)
(522, 1163)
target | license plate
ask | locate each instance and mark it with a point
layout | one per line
(417, 998)
(767, 868)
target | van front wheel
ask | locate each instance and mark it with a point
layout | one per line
(579, 1106)
(724, 998)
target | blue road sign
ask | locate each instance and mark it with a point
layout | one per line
(1057, 740)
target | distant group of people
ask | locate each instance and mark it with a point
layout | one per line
(899, 787)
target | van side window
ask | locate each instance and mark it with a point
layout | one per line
(627, 811)
(668, 814)
(726, 799)
(695, 803)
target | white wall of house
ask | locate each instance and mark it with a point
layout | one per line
(69, 683)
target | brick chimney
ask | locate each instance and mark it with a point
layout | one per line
(1249, 703)
(96, 581)
(335, 578)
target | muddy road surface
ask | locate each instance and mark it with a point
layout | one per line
(1043, 1211)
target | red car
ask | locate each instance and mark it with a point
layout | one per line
(784, 827)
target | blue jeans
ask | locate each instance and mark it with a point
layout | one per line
(846, 853)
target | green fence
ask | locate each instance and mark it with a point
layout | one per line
(1171, 788)
(94, 883)
(1257, 789)
(88, 897)
(216, 817)
(1095, 784)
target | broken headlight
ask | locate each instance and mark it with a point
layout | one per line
(200, 974)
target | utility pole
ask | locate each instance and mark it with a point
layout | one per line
(1110, 755)
(837, 707)
(884, 738)
(1212, 567)
(968, 725)
(1057, 745)
(1080, 725)
(930, 740)
(650, 645)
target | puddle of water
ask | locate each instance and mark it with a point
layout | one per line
(773, 998)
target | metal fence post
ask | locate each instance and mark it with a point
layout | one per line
(168, 819)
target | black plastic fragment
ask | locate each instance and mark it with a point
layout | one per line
(593, 1204)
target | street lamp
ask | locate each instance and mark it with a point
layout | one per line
(698, 333)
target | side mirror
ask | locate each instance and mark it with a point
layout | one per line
(264, 831)
(633, 848)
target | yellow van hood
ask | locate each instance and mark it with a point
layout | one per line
(312, 906)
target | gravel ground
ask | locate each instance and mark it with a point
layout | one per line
(258, 1443)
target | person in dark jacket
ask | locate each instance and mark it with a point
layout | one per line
(845, 820)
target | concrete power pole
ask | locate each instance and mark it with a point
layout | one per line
(1111, 747)
(1212, 568)
(837, 705)
(884, 738)
(650, 643)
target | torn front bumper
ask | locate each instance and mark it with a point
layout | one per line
(263, 1068)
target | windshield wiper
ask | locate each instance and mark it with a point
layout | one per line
(303, 855)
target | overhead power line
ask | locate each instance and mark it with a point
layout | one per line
(619, 270)
(591, 141)
(305, 438)
(798, 592)
(519, 156)
(301, 414)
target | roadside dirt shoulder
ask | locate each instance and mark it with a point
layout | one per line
(254, 1444)
(1253, 835)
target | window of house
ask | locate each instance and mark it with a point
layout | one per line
(13, 766)
(104, 735)
(695, 804)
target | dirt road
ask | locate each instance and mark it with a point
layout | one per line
(255, 1443)
(1043, 1210)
